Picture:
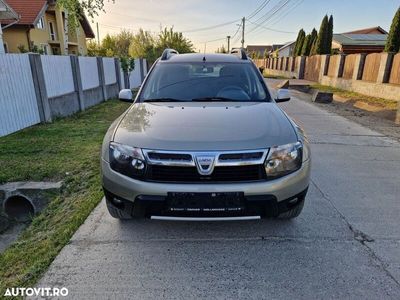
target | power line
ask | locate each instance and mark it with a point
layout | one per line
(260, 8)
(210, 27)
(288, 12)
(271, 29)
(269, 15)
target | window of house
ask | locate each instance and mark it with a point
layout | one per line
(53, 35)
(40, 23)
(5, 47)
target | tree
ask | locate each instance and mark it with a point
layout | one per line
(299, 42)
(330, 35)
(307, 45)
(170, 39)
(323, 36)
(393, 40)
(149, 46)
(75, 9)
(221, 50)
(143, 45)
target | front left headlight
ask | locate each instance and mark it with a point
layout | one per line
(127, 160)
(283, 160)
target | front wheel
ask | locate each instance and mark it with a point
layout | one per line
(293, 212)
(116, 212)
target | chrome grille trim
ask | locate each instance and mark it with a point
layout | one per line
(216, 154)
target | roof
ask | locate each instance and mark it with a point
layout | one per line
(258, 48)
(6, 12)
(29, 10)
(360, 39)
(371, 30)
(286, 45)
(86, 27)
(198, 57)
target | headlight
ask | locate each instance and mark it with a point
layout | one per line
(283, 160)
(127, 160)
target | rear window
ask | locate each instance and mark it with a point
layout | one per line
(188, 81)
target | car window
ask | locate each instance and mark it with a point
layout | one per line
(191, 81)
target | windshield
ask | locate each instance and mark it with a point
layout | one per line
(204, 82)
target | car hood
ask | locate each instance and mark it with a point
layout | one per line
(207, 126)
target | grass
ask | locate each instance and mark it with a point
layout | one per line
(67, 150)
(388, 104)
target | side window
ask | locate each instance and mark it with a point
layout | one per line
(53, 35)
(40, 23)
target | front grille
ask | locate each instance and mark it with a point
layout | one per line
(220, 174)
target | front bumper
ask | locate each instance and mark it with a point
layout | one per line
(281, 189)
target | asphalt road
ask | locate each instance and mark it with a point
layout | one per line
(346, 243)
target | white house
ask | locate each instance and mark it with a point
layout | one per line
(286, 50)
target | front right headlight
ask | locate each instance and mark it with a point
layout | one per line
(127, 160)
(283, 160)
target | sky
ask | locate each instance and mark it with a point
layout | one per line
(267, 21)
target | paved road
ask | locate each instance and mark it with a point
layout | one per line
(346, 244)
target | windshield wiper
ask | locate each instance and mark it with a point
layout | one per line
(164, 100)
(207, 99)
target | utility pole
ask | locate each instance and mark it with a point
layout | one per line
(98, 34)
(229, 43)
(243, 27)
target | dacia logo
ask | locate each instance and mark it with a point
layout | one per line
(205, 164)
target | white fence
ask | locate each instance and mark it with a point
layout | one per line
(18, 104)
(89, 72)
(57, 72)
(35, 88)
(109, 73)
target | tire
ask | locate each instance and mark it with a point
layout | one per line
(294, 212)
(116, 212)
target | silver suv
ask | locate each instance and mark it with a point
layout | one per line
(204, 140)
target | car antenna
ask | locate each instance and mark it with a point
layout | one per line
(205, 47)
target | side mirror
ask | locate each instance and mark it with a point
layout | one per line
(282, 96)
(125, 95)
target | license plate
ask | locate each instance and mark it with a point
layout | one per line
(205, 202)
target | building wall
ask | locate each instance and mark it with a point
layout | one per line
(17, 35)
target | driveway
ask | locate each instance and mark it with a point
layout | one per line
(345, 244)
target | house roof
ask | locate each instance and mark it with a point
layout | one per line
(371, 30)
(28, 11)
(6, 12)
(286, 45)
(86, 27)
(258, 48)
(360, 39)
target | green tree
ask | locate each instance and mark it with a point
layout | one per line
(75, 9)
(393, 40)
(168, 38)
(143, 45)
(307, 45)
(299, 42)
(330, 35)
(221, 50)
(322, 40)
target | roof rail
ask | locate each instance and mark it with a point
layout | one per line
(167, 53)
(240, 52)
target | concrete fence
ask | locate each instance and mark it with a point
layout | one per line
(376, 74)
(37, 88)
